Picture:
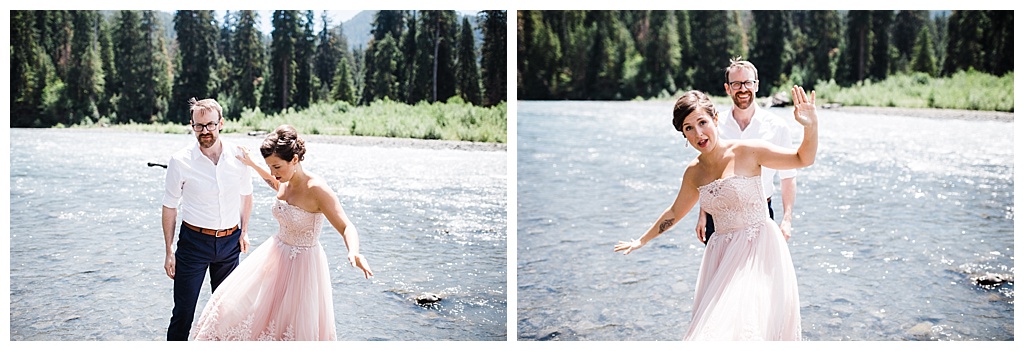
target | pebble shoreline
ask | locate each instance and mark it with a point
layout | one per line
(399, 142)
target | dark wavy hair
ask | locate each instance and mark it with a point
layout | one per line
(689, 102)
(285, 143)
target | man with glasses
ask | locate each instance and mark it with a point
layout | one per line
(746, 120)
(214, 191)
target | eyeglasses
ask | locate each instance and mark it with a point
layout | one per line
(209, 126)
(747, 83)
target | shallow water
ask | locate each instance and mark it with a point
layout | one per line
(86, 248)
(889, 222)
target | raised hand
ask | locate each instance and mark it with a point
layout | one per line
(804, 111)
(628, 246)
(244, 157)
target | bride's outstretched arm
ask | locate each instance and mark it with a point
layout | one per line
(804, 112)
(244, 157)
(331, 207)
(684, 201)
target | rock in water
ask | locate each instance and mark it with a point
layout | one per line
(923, 329)
(427, 299)
(991, 280)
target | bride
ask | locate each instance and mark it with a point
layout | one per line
(746, 287)
(282, 291)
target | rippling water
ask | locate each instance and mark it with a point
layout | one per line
(86, 248)
(890, 222)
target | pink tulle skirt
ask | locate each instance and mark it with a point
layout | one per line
(279, 292)
(746, 288)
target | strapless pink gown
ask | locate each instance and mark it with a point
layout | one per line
(746, 288)
(282, 291)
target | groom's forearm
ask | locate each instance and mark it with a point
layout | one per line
(788, 197)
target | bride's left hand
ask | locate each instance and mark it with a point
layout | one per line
(357, 260)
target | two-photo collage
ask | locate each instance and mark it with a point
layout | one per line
(510, 175)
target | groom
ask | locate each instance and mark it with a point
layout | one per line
(214, 191)
(746, 120)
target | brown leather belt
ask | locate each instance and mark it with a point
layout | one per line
(216, 233)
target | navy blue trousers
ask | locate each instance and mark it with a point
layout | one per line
(709, 228)
(196, 253)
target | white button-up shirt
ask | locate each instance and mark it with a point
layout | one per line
(763, 125)
(210, 195)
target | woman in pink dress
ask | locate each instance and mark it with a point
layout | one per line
(282, 291)
(746, 288)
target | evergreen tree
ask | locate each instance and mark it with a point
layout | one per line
(130, 59)
(420, 87)
(329, 53)
(603, 71)
(156, 79)
(924, 57)
(54, 29)
(717, 45)
(226, 54)
(343, 87)
(662, 56)
(247, 72)
(410, 53)
(964, 48)
(386, 23)
(384, 82)
(687, 55)
(855, 59)
(105, 105)
(542, 50)
(999, 41)
(905, 34)
(85, 73)
(439, 26)
(769, 50)
(26, 83)
(197, 54)
(881, 52)
(823, 36)
(305, 46)
(467, 74)
(940, 31)
(283, 69)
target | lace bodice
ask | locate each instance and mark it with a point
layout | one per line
(297, 226)
(734, 202)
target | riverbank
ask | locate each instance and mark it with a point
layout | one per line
(971, 115)
(369, 141)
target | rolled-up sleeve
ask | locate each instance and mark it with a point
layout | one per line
(246, 180)
(173, 184)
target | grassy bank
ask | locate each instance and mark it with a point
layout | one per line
(454, 120)
(962, 91)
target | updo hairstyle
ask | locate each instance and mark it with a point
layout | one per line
(285, 143)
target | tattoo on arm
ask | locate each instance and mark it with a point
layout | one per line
(270, 183)
(665, 225)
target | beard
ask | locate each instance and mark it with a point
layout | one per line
(204, 142)
(743, 104)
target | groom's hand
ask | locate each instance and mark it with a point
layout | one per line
(169, 265)
(243, 242)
